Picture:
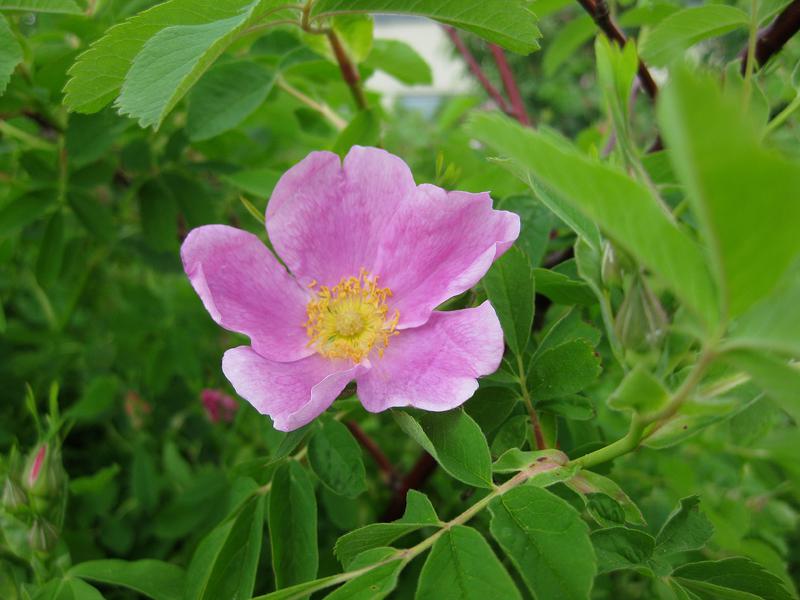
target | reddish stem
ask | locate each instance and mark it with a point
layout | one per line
(473, 65)
(414, 480)
(385, 466)
(349, 70)
(772, 39)
(510, 84)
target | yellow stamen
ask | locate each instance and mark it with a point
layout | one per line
(350, 319)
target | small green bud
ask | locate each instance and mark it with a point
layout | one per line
(43, 536)
(13, 495)
(641, 322)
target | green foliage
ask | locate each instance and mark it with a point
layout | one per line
(510, 286)
(335, 457)
(155, 579)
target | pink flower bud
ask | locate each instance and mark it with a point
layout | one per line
(218, 406)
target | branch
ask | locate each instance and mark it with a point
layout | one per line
(598, 10)
(349, 71)
(473, 65)
(387, 469)
(510, 84)
(772, 39)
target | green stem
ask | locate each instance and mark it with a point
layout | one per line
(751, 53)
(781, 117)
(25, 137)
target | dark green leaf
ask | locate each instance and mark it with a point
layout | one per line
(462, 566)
(563, 370)
(686, 529)
(335, 457)
(510, 287)
(723, 578)
(546, 540)
(293, 526)
(621, 548)
(153, 578)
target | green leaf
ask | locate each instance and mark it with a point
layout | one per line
(686, 529)
(621, 548)
(606, 511)
(91, 137)
(22, 211)
(97, 399)
(566, 42)
(401, 61)
(363, 130)
(616, 70)
(159, 214)
(293, 526)
(508, 23)
(419, 513)
(99, 73)
(10, 53)
(49, 6)
(639, 392)
(96, 217)
(563, 370)
(335, 457)
(723, 578)
(536, 222)
(623, 207)
(683, 29)
(562, 289)
(225, 96)
(547, 541)
(773, 323)
(170, 63)
(259, 182)
(153, 578)
(779, 379)
(510, 287)
(742, 193)
(226, 561)
(455, 441)
(462, 566)
(589, 482)
(574, 407)
(376, 583)
(48, 263)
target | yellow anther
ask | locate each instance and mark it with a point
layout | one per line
(349, 320)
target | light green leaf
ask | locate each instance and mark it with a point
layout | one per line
(779, 379)
(259, 182)
(510, 287)
(48, 6)
(547, 541)
(622, 206)
(508, 23)
(563, 370)
(514, 459)
(293, 526)
(723, 578)
(616, 70)
(363, 130)
(621, 548)
(455, 441)
(401, 61)
(566, 41)
(774, 322)
(572, 407)
(744, 195)
(225, 96)
(153, 578)
(682, 29)
(335, 457)
(99, 73)
(419, 513)
(226, 561)
(562, 289)
(10, 53)
(462, 566)
(170, 63)
(640, 392)
(686, 529)
(588, 482)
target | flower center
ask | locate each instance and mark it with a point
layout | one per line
(350, 319)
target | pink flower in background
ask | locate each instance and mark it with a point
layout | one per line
(218, 405)
(36, 466)
(371, 255)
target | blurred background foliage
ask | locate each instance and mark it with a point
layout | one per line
(105, 347)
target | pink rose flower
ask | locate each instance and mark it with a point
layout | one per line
(371, 255)
(218, 405)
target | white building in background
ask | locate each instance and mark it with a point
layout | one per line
(450, 74)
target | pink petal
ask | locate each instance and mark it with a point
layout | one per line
(435, 366)
(438, 245)
(292, 394)
(245, 289)
(325, 219)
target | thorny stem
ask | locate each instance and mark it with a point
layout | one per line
(510, 84)
(536, 426)
(473, 65)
